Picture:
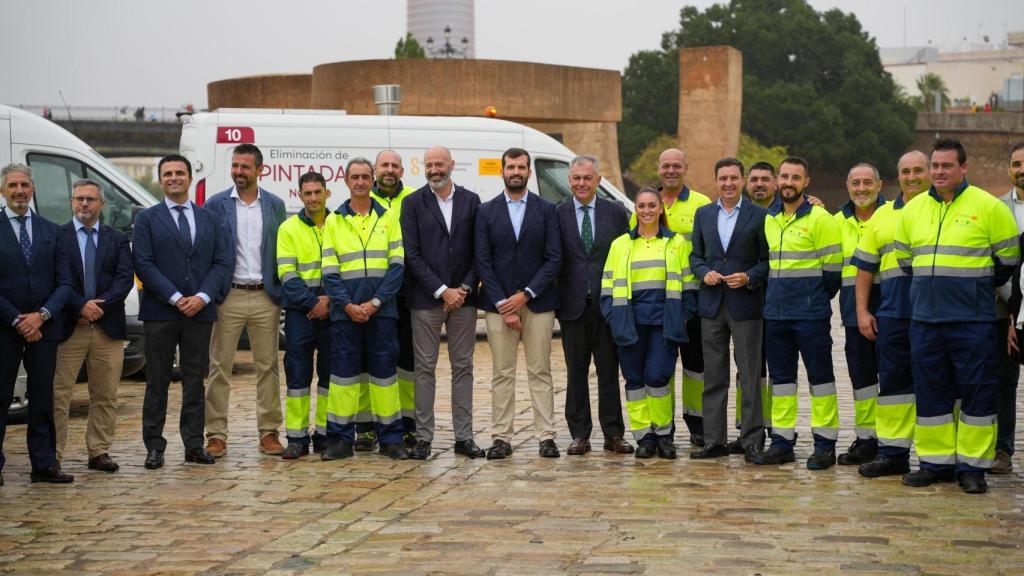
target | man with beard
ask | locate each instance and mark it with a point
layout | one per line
(34, 287)
(518, 254)
(252, 300)
(437, 231)
(1009, 370)
(805, 261)
(959, 243)
(863, 183)
(889, 327)
(681, 204)
(389, 192)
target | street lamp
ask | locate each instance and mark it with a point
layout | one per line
(448, 51)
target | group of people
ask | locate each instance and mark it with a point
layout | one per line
(368, 289)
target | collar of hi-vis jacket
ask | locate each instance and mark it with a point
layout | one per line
(956, 192)
(346, 210)
(663, 232)
(802, 209)
(849, 208)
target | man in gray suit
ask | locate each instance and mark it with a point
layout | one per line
(730, 259)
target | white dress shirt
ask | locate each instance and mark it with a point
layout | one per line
(248, 240)
(446, 213)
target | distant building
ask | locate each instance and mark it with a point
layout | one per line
(972, 76)
(428, 18)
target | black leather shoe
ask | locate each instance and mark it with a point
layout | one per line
(469, 448)
(1, 479)
(154, 459)
(52, 475)
(579, 447)
(734, 447)
(882, 466)
(925, 477)
(318, 443)
(618, 445)
(421, 451)
(697, 439)
(775, 455)
(500, 449)
(751, 453)
(548, 449)
(199, 455)
(666, 449)
(103, 463)
(336, 450)
(822, 459)
(409, 439)
(294, 450)
(860, 452)
(973, 483)
(646, 450)
(394, 451)
(710, 451)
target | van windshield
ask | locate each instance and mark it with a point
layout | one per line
(553, 181)
(53, 176)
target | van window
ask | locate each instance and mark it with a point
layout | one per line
(53, 177)
(553, 180)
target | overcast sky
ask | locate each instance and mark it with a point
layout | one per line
(145, 52)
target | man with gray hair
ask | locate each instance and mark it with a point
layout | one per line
(102, 275)
(588, 225)
(34, 286)
(438, 223)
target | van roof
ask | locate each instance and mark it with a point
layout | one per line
(281, 117)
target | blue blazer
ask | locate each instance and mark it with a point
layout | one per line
(274, 215)
(165, 265)
(506, 265)
(611, 221)
(115, 278)
(42, 283)
(748, 252)
(433, 256)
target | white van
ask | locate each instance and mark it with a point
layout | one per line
(57, 159)
(296, 141)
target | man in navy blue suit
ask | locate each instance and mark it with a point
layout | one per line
(252, 300)
(34, 285)
(102, 275)
(730, 259)
(518, 254)
(181, 257)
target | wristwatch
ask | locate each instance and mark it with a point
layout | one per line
(467, 288)
(44, 314)
(376, 302)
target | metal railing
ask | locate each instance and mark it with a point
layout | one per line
(106, 113)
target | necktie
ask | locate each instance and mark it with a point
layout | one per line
(90, 263)
(26, 244)
(183, 228)
(587, 234)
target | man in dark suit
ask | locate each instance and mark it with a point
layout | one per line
(441, 286)
(730, 259)
(102, 275)
(588, 225)
(34, 285)
(251, 300)
(518, 254)
(182, 259)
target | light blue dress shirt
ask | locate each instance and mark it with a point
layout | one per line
(727, 222)
(579, 214)
(17, 225)
(83, 237)
(516, 211)
(190, 215)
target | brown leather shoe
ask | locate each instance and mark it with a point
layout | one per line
(216, 447)
(618, 445)
(269, 444)
(579, 447)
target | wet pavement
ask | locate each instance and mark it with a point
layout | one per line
(596, 514)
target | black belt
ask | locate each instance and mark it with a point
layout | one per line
(247, 286)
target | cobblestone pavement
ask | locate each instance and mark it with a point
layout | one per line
(598, 514)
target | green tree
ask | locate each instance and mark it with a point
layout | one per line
(752, 151)
(930, 85)
(812, 83)
(409, 47)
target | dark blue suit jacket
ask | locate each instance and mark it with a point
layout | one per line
(433, 257)
(274, 215)
(505, 265)
(748, 252)
(45, 282)
(115, 278)
(611, 221)
(165, 264)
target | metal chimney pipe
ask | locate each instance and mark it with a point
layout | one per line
(387, 97)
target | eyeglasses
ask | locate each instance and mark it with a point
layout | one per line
(86, 199)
